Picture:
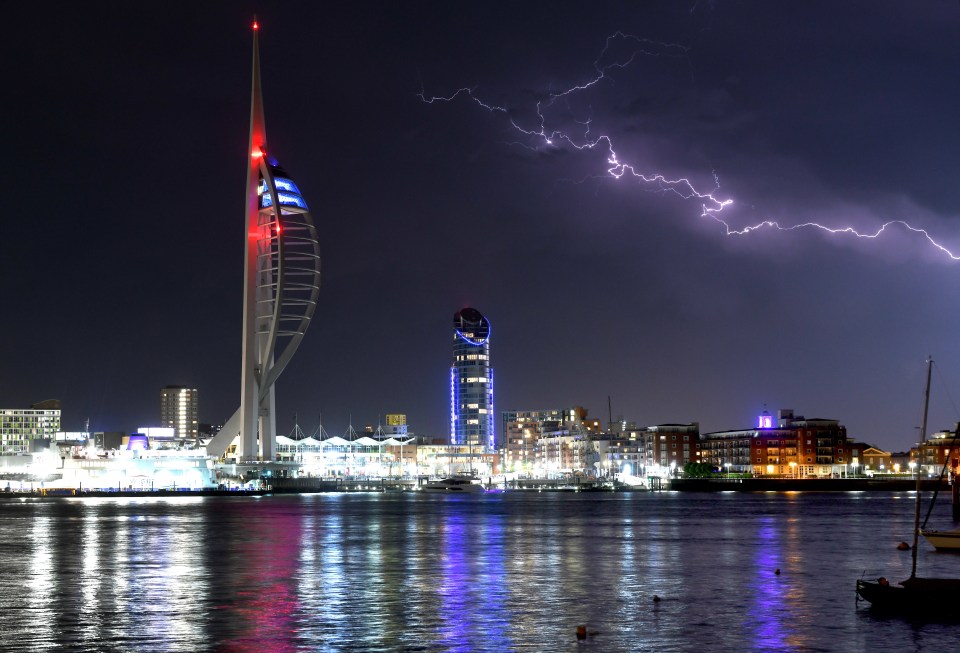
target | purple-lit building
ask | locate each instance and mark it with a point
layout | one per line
(788, 445)
(471, 381)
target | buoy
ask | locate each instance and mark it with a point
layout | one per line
(581, 632)
(656, 599)
(903, 546)
(776, 571)
(883, 581)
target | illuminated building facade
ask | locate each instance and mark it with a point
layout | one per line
(523, 429)
(669, 447)
(938, 450)
(788, 445)
(471, 381)
(18, 426)
(280, 287)
(179, 411)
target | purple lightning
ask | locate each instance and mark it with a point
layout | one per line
(711, 204)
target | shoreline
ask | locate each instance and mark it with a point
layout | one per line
(803, 485)
(676, 485)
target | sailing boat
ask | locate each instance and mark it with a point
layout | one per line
(914, 595)
(943, 540)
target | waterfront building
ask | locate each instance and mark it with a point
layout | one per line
(939, 448)
(179, 409)
(391, 457)
(522, 430)
(280, 287)
(878, 460)
(452, 459)
(666, 448)
(619, 454)
(19, 427)
(789, 445)
(471, 381)
(565, 451)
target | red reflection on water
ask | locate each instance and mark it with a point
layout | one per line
(262, 616)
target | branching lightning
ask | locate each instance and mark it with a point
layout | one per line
(711, 203)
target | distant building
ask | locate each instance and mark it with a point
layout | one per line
(939, 449)
(665, 448)
(522, 430)
(471, 381)
(396, 426)
(179, 410)
(20, 426)
(786, 446)
(619, 453)
(878, 460)
(566, 451)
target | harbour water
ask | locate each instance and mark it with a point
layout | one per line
(515, 571)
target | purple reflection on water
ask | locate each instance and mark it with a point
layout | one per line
(770, 611)
(472, 588)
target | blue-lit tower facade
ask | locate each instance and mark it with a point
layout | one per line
(471, 381)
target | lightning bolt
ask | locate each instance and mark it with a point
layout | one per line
(712, 204)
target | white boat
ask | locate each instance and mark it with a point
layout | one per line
(454, 485)
(943, 540)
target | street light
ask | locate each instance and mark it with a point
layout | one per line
(793, 469)
(727, 465)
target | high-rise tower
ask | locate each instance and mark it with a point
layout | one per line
(280, 286)
(179, 409)
(471, 381)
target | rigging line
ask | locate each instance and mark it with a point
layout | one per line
(946, 389)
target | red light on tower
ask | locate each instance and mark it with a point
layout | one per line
(256, 25)
(256, 154)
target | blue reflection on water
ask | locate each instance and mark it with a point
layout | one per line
(471, 587)
(506, 572)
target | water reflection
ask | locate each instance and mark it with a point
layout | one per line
(40, 587)
(506, 572)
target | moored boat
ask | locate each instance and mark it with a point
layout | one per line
(454, 485)
(943, 540)
(915, 595)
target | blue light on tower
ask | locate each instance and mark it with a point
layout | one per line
(471, 381)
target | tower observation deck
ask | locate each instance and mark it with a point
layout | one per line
(280, 287)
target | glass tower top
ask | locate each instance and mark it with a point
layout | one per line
(471, 381)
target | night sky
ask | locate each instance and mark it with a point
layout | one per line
(126, 127)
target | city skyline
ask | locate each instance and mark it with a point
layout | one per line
(127, 171)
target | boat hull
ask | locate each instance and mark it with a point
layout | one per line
(943, 540)
(453, 486)
(914, 596)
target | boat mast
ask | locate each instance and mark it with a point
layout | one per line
(923, 436)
